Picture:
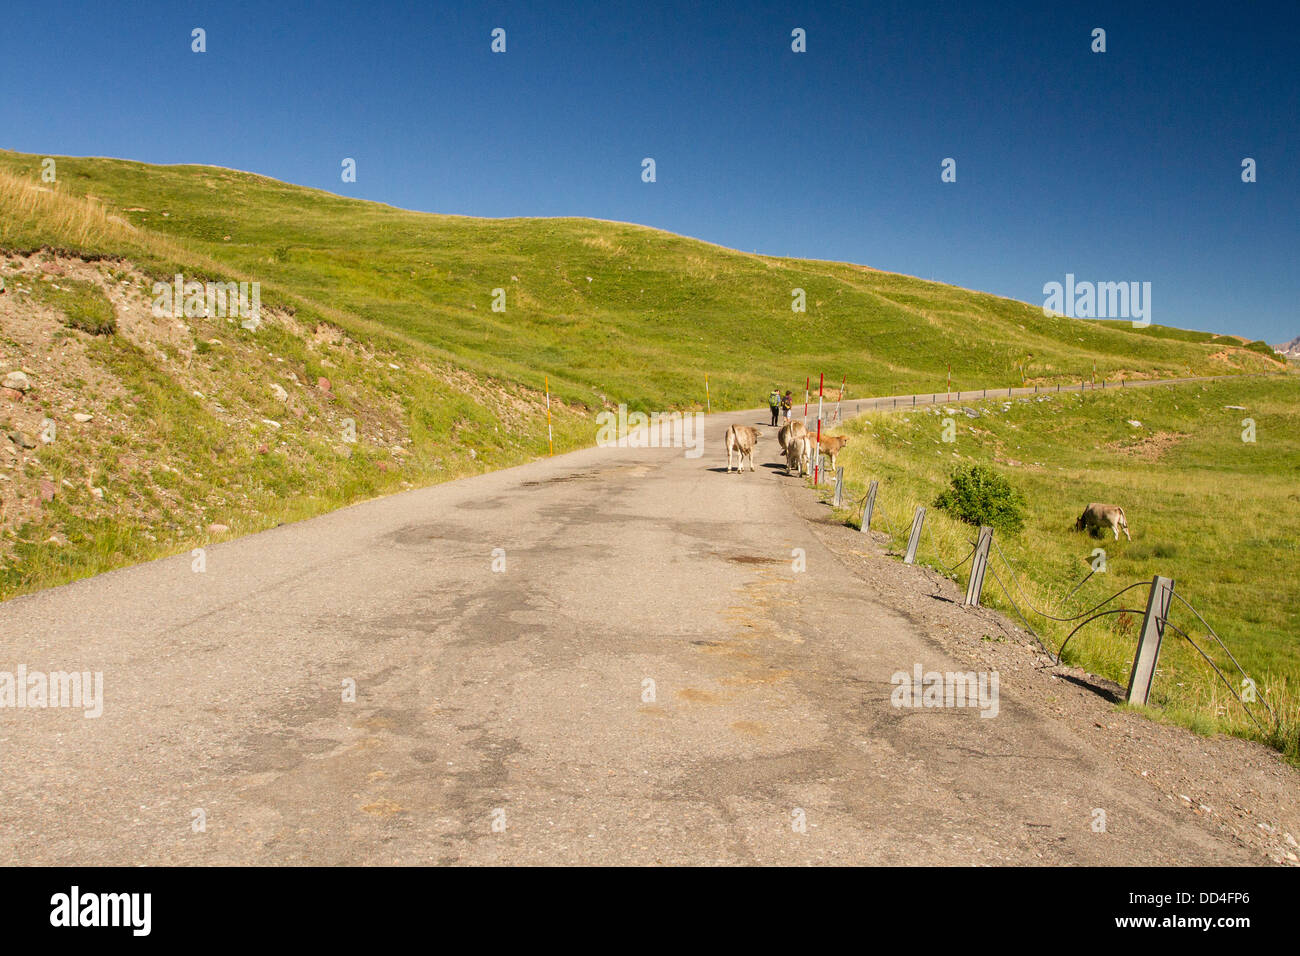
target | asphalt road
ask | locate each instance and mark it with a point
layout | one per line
(509, 716)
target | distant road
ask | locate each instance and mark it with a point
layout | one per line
(887, 403)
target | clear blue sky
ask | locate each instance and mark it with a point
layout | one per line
(1119, 166)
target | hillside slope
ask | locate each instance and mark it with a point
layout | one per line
(169, 433)
(383, 318)
(603, 308)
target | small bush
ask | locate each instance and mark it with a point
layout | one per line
(979, 495)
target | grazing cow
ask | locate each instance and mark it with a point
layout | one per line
(741, 439)
(788, 432)
(798, 456)
(1097, 517)
(832, 446)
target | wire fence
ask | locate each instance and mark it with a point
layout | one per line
(1094, 613)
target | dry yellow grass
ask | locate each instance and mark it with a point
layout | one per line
(35, 215)
(30, 207)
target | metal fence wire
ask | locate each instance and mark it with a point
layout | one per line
(884, 513)
(969, 555)
(1227, 683)
(1085, 618)
(1162, 620)
(1064, 620)
(1218, 639)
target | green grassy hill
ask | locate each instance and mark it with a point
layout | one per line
(603, 309)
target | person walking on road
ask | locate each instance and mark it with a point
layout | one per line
(787, 402)
(774, 403)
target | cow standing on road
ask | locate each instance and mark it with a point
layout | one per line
(798, 456)
(741, 440)
(789, 432)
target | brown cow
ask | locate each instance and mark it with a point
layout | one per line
(798, 456)
(741, 439)
(790, 431)
(830, 447)
(1099, 517)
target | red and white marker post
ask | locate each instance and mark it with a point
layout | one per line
(821, 390)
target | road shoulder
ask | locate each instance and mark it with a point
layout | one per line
(1236, 790)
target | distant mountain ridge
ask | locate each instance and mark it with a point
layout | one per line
(1290, 349)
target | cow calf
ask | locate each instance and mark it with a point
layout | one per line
(830, 447)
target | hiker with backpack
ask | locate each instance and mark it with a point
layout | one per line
(774, 403)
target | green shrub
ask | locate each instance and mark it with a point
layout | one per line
(979, 495)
